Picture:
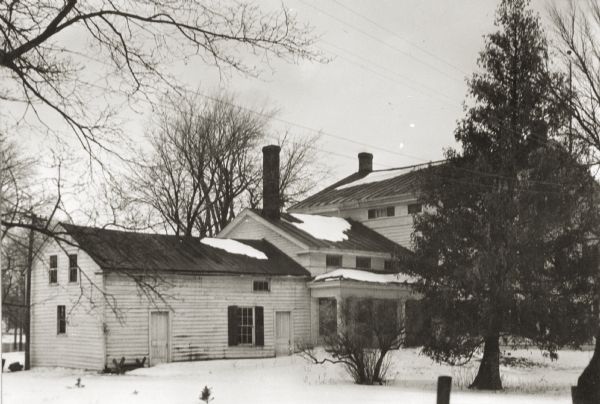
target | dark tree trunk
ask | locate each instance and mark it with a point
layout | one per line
(588, 384)
(488, 376)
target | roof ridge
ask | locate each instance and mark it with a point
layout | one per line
(427, 164)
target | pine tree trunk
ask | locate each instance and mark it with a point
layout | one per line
(488, 376)
(588, 384)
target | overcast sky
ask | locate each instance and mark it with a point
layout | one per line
(395, 82)
(394, 85)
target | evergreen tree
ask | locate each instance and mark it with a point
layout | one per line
(502, 246)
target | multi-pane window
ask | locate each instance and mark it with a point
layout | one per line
(61, 320)
(73, 268)
(246, 325)
(327, 316)
(53, 272)
(246, 318)
(381, 212)
(333, 260)
(414, 208)
(260, 286)
(363, 262)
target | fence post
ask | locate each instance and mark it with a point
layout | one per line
(443, 389)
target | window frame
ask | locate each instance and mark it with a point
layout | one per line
(242, 326)
(61, 319)
(365, 258)
(323, 330)
(380, 213)
(73, 269)
(53, 270)
(331, 257)
(256, 282)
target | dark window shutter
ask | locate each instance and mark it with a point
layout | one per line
(259, 325)
(233, 322)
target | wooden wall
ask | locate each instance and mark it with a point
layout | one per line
(198, 315)
(82, 346)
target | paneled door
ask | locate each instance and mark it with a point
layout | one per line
(283, 333)
(159, 337)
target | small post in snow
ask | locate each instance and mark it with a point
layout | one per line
(443, 389)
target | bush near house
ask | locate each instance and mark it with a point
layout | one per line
(368, 329)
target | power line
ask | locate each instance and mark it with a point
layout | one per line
(408, 82)
(365, 33)
(422, 49)
(308, 128)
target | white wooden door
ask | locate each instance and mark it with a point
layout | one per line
(283, 333)
(159, 337)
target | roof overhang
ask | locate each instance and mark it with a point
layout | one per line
(356, 204)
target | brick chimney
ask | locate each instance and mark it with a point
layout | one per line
(365, 162)
(271, 202)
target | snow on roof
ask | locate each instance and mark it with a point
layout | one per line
(234, 247)
(377, 176)
(365, 276)
(323, 227)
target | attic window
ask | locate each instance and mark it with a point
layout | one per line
(334, 261)
(382, 212)
(414, 208)
(261, 286)
(363, 262)
(53, 272)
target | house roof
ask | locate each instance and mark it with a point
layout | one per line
(125, 250)
(357, 275)
(363, 187)
(359, 237)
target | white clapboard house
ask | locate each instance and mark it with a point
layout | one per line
(270, 281)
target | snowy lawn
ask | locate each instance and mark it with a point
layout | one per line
(532, 378)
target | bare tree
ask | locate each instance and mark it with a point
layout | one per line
(577, 29)
(367, 330)
(129, 48)
(204, 166)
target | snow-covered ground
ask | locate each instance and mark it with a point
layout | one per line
(535, 380)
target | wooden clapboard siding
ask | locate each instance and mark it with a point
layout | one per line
(198, 315)
(82, 346)
(397, 228)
